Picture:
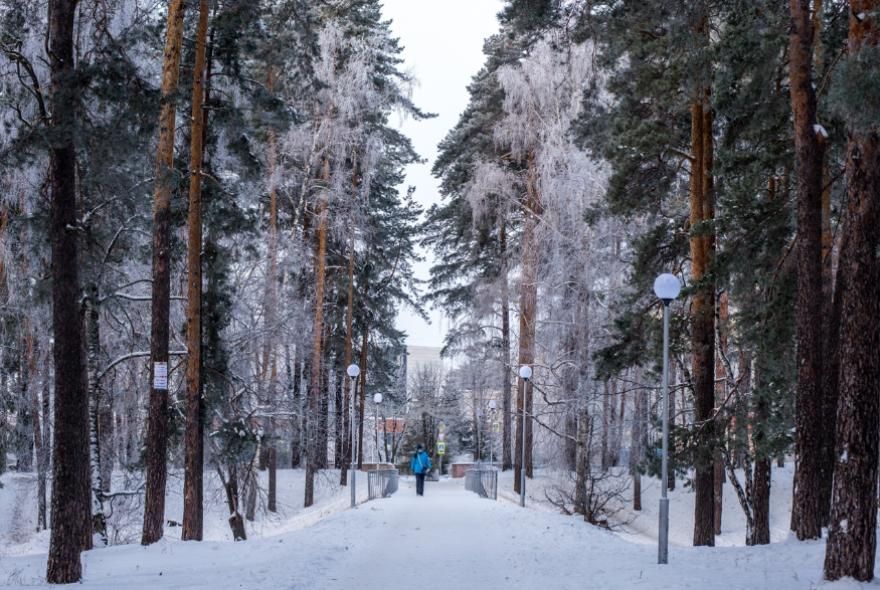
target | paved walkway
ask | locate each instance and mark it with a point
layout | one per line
(453, 539)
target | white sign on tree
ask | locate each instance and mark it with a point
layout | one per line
(160, 376)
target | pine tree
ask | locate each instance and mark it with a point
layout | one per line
(71, 530)
(194, 452)
(154, 509)
(805, 514)
(851, 547)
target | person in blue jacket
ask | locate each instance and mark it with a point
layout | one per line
(420, 464)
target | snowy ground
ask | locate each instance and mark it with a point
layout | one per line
(642, 525)
(449, 538)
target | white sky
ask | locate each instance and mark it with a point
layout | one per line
(443, 48)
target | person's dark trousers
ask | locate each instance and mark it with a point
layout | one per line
(420, 484)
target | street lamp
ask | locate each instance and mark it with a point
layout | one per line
(377, 399)
(525, 373)
(493, 405)
(666, 287)
(353, 372)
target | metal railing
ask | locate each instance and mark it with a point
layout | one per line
(381, 483)
(483, 481)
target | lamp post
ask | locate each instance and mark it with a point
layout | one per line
(525, 373)
(353, 372)
(377, 399)
(666, 287)
(493, 405)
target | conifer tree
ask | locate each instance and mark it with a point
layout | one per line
(809, 147)
(71, 522)
(851, 547)
(154, 509)
(194, 453)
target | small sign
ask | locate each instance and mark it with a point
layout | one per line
(441, 448)
(496, 426)
(160, 376)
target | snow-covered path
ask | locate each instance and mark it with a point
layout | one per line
(453, 539)
(450, 538)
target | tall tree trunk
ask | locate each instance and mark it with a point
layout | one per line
(315, 381)
(41, 446)
(583, 461)
(347, 356)
(702, 316)
(830, 392)
(324, 412)
(338, 432)
(805, 517)
(618, 430)
(606, 425)
(506, 458)
(365, 342)
(760, 493)
(157, 426)
(24, 447)
(296, 372)
(272, 460)
(93, 343)
(271, 302)
(106, 438)
(720, 398)
(852, 532)
(637, 446)
(71, 525)
(761, 502)
(193, 504)
(528, 303)
(830, 307)
(571, 445)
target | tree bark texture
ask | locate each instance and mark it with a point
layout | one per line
(157, 425)
(296, 372)
(193, 489)
(761, 502)
(606, 425)
(71, 524)
(323, 424)
(582, 467)
(637, 445)
(720, 398)
(270, 316)
(805, 521)
(315, 380)
(702, 247)
(41, 446)
(506, 458)
(760, 494)
(528, 303)
(852, 534)
(93, 343)
(830, 308)
(230, 487)
(365, 343)
(347, 356)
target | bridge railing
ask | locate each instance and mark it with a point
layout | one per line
(382, 483)
(483, 481)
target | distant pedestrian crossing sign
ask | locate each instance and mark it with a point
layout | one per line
(441, 448)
